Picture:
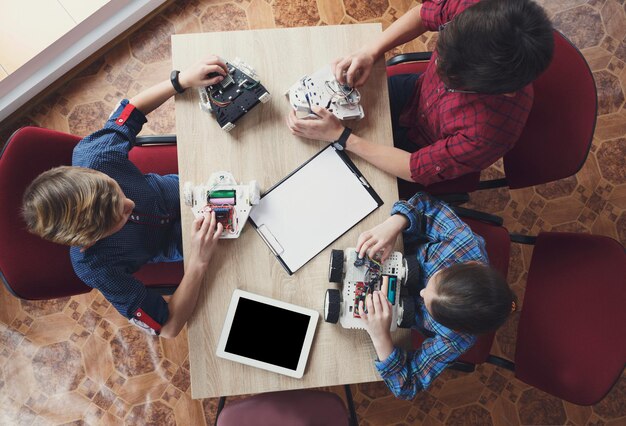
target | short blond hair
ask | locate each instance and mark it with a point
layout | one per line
(70, 205)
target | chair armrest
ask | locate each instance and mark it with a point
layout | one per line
(523, 239)
(155, 140)
(409, 57)
(478, 215)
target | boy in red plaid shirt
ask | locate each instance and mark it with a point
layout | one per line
(470, 105)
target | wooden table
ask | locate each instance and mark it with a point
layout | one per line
(262, 148)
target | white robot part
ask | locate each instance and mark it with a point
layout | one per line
(361, 278)
(255, 192)
(323, 90)
(246, 68)
(231, 201)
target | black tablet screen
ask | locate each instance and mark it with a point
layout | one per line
(267, 333)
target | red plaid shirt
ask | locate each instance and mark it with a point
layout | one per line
(458, 133)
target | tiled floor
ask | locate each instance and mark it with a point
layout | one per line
(76, 359)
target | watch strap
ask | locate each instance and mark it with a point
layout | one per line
(340, 144)
(175, 82)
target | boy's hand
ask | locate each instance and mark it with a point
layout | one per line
(198, 75)
(353, 69)
(377, 322)
(382, 238)
(326, 128)
(204, 237)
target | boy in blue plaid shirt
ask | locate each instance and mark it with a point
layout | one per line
(460, 295)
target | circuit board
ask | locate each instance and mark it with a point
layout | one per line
(360, 278)
(364, 276)
(231, 202)
(223, 202)
(234, 96)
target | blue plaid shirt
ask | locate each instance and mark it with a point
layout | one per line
(439, 239)
(152, 233)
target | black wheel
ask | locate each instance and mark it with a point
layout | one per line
(406, 312)
(335, 271)
(332, 305)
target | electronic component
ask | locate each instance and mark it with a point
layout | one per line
(360, 292)
(323, 90)
(230, 201)
(222, 202)
(360, 278)
(234, 96)
(391, 282)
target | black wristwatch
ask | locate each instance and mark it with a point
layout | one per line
(340, 144)
(175, 82)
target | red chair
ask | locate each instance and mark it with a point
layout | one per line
(35, 269)
(558, 134)
(570, 336)
(298, 407)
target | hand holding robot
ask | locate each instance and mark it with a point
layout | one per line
(231, 202)
(321, 89)
(362, 277)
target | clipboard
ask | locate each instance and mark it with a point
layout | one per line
(312, 207)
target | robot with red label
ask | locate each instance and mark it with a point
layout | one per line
(230, 201)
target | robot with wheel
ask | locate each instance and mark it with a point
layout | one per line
(232, 98)
(361, 277)
(230, 201)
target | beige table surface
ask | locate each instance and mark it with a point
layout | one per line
(261, 147)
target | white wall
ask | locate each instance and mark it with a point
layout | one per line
(70, 50)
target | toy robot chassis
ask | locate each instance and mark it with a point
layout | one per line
(361, 277)
(234, 96)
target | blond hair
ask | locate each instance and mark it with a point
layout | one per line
(74, 206)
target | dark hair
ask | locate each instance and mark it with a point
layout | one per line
(495, 46)
(471, 298)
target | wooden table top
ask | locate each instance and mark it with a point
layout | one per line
(262, 148)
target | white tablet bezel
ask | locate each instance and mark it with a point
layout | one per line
(306, 345)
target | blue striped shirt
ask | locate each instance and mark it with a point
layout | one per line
(439, 239)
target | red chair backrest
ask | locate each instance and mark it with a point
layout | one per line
(498, 247)
(571, 338)
(556, 139)
(295, 407)
(466, 183)
(31, 267)
(417, 67)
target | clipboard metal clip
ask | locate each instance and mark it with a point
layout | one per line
(270, 240)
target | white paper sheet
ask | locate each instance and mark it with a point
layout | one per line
(312, 208)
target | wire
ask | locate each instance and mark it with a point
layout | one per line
(220, 104)
(375, 262)
(341, 94)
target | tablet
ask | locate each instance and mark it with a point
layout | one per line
(267, 333)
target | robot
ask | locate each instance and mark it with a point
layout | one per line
(230, 201)
(234, 96)
(361, 277)
(322, 89)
